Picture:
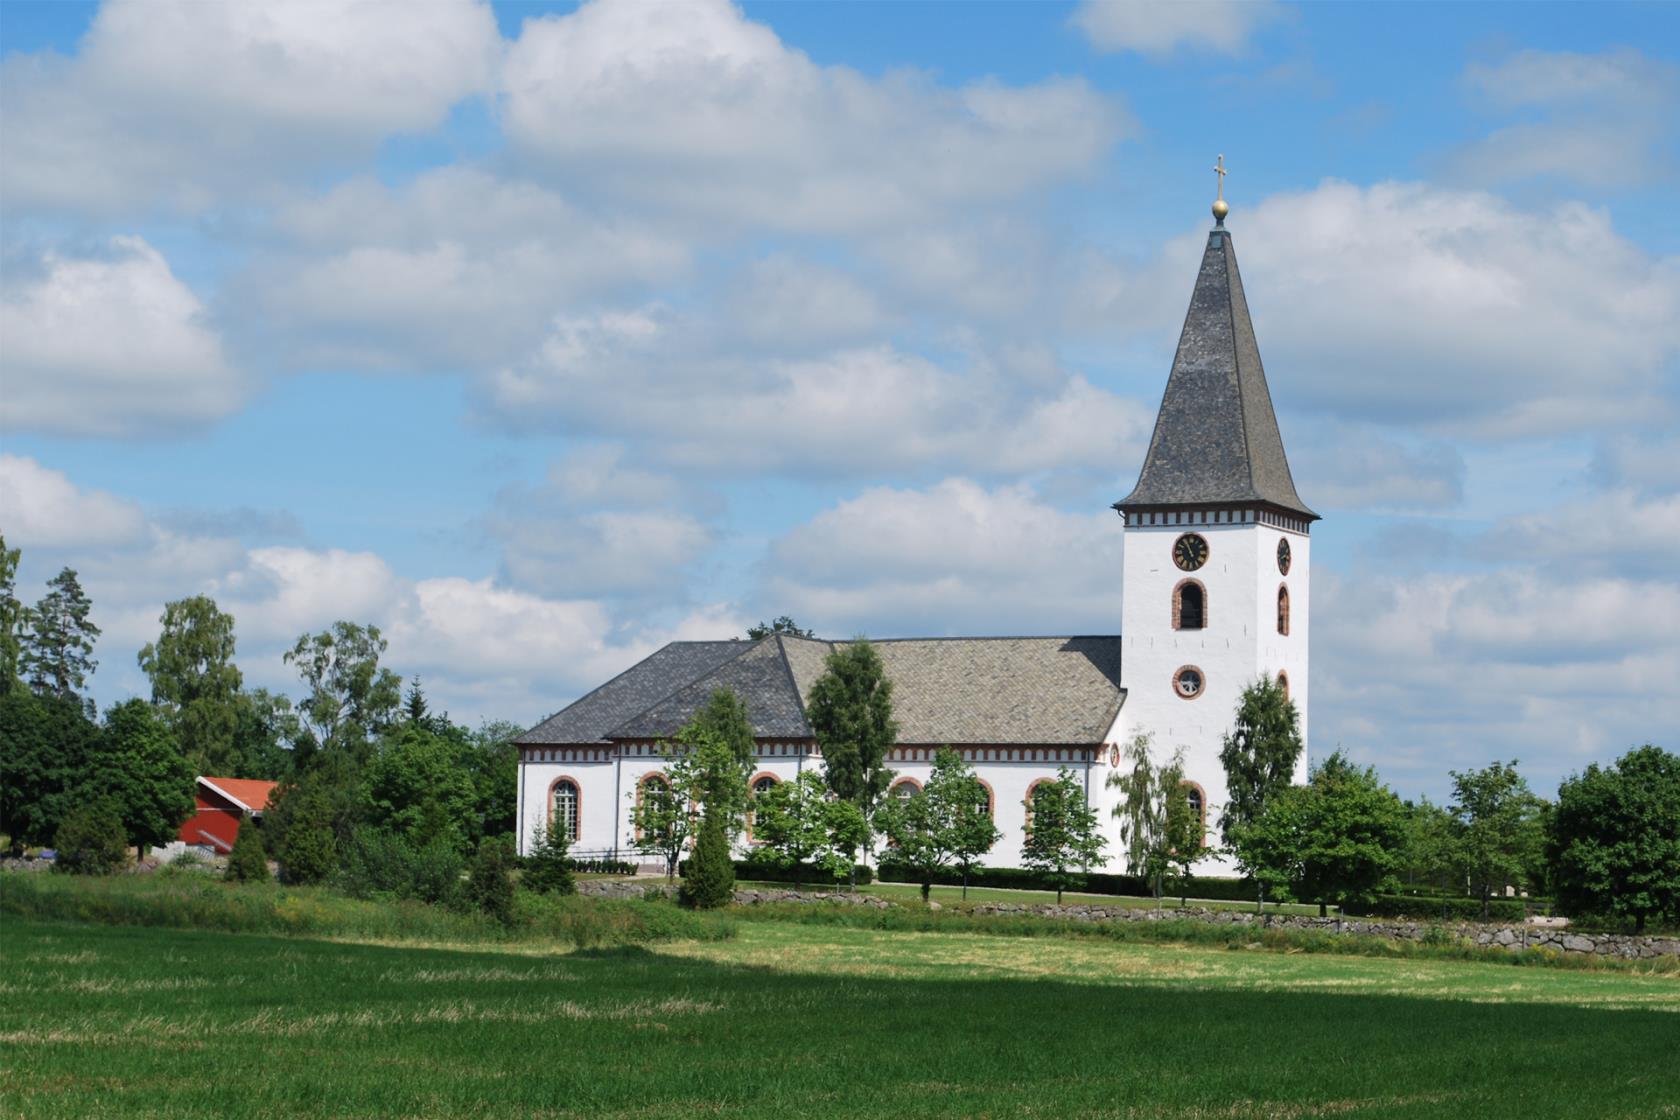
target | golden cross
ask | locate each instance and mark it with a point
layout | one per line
(1219, 169)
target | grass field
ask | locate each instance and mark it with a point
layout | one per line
(791, 1020)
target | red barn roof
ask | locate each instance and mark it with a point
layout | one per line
(249, 794)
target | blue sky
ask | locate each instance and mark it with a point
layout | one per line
(541, 334)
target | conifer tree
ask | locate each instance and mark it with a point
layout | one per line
(548, 867)
(90, 840)
(248, 862)
(57, 650)
(489, 885)
(709, 878)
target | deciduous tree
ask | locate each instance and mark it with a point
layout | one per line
(1500, 827)
(1259, 755)
(782, 625)
(416, 786)
(796, 824)
(1615, 839)
(350, 696)
(196, 683)
(142, 768)
(943, 824)
(11, 616)
(850, 712)
(1062, 836)
(1154, 813)
(47, 748)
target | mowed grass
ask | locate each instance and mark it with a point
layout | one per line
(805, 1021)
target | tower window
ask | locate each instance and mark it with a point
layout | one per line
(1283, 610)
(1197, 797)
(1188, 682)
(1283, 683)
(1189, 605)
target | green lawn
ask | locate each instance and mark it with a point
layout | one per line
(947, 896)
(806, 1021)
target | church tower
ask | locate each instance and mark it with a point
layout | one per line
(1216, 562)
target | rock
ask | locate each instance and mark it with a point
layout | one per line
(1575, 943)
(934, 905)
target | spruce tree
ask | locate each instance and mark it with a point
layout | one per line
(489, 886)
(548, 867)
(709, 880)
(248, 862)
(56, 655)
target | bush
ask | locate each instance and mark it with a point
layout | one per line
(380, 861)
(248, 862)
(709, 880)
(489, 887)
(1095, 882)
(1433, 909)
(753, 871)
(547, 869)
(603, 866)
(90, 839)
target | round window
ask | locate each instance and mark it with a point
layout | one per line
(1188, 682)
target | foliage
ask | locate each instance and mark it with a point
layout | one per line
(1156, 824)
(11, 616)
(490, 884)
(1062, 836)
(415, 785)
(492, 761)
(49, 746)
(1259, 753)
(143, 769)
(1615, 838)
(782, 625)
(350, 696)
(380, 861)
(1432, 851)
(1500, 835)
(797, 824)
(751, 871)
(1442, 909)
(718, 744)
(709, 879)
(942, 824)
(666, 812)
(196, 683)
(264, 728)
(850, 712)
(91, 841)
(248, 862)
(57, 646)
(547, 867)
(308, 847)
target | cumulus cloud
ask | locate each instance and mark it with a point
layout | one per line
(650, 375)
(1360, 467)
(1162, 27)
(953, 558)
(112, 346)
(180, 103)
(42, 508)
(695, 109)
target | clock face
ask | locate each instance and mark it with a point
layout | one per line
(1190, 552)
(1283, 556)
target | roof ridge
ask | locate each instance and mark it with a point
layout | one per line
(747, 647)
(1236, 364)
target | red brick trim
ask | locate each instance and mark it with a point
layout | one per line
(905, 782)
(1178, 603)
(577, 789)
(1179, 692)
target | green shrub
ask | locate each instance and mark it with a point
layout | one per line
(754, 871)
(489, 886)
(379, 861)
(1095, 882)
(548, 870)
(603, 866)
(1442, 909)
(90, 839)
(248, 862)
(709, 881)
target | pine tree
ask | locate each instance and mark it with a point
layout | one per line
(489, 886)
(548, 867)
(56, 654)
(309, 849)
(248, 862)
(709, 880)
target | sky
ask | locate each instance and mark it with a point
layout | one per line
(539, 335)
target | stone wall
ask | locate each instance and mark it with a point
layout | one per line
(1516, 938)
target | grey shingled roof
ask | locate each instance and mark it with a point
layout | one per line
(945, 690)
(1216, 437)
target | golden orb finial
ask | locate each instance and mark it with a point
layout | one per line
(1220, 207)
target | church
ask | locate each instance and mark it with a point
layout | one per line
(1214, 595)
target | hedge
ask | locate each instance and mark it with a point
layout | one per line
(1020, 878)
(1454, 909)
(806, 874)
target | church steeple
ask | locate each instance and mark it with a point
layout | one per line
(1216, 438)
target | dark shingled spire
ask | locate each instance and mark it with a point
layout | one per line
(1216, 439)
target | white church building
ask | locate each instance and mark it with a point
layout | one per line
(1214, 596)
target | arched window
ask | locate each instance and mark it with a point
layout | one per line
(761, 783)
(1032, 795)
(1197, 797)
(904, 789)
(1189, 605)
(563, 803)
(653, 790)
(991, 798)
(1283, 683)
(1283, 610)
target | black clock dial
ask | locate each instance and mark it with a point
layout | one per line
(1283, 557)
(1190, 552)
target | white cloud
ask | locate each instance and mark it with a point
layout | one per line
(179, 102)
(111, 347)
(648, 375)
(1360, 467)
(695, 109)
(792, 302)
(1162, 27)
(42, 508)
(953, 558)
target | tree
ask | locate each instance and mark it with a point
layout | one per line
(709, 878)
(1432, 848)
(1614, 842)
(416, 786)
(350, 696)
(415, 709)
(47, 746)
(945, 823)
(11, 616)
(782, 625)
(91, 841)
(796, 824)
(1156, 824)
(489, 884)
(850, 712)
(264, 728)
(1259, 756)
(665, 812)
(492, 761)
(308, 849)
(1500, 829)
(248, 862)
(142, 768)
(1062, 837)
(548, 867)
(719, 744)
(56, 654)
(195, 681)
(1350, 830)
